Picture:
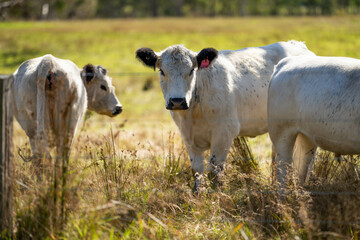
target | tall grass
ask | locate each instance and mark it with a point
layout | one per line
(115, 193)
(130, 177)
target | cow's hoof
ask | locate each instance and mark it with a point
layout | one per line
(197, 183)
(196, 189)
(215, 180)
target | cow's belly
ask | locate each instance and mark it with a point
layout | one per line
(338, 146)
(253, 128)
(252, 115)
(338, 138)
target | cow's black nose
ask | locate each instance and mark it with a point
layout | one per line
(177, 104)
(117, 110)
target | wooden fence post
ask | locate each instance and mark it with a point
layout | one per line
(6, 156)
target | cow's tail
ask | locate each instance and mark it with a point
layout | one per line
(45, 71)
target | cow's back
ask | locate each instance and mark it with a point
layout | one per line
(268, 55)
(280, 50)
(243, 78)
(318, 96)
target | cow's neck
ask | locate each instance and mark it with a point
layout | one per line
(196, 97)
(200, 87)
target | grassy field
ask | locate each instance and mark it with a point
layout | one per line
(130, 176)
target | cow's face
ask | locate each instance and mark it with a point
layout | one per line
(100, 91)
(177, 66)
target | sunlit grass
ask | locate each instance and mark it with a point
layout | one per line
(138, 157)
(112, 43)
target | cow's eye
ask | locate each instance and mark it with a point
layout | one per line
(162, 72)
(191, 72)
(103, 87)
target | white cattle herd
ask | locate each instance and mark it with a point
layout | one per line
(302, 100)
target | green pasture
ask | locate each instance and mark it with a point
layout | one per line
(138, 157)
(112, 43)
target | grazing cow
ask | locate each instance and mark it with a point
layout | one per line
(51, 96)
(215, 96)
(313, 102)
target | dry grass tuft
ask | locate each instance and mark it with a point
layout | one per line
(242, 156)
(335, 196)
(116, 193)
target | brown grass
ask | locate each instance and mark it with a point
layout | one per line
(120, 193)
(130, 177)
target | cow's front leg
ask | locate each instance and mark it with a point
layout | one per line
(217, 160)
(197, 165)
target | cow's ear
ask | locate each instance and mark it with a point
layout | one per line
(88, 73)
(147, 56)
(205, 57)
(102, 70)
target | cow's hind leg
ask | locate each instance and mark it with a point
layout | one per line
(41, 157)
(284, 143)
(40, 153)
(304, 152)
(273, 164)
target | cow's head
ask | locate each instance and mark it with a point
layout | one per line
(100, 91)
(178, 67)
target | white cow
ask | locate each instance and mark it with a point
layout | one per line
(215, 96)
(51, 96)
(313, 102)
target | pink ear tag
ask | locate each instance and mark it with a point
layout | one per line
(205, 63)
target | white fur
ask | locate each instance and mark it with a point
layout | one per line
(225, 100)
(50, 117)
(313, 102)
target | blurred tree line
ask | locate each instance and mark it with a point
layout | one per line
(73, 9)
